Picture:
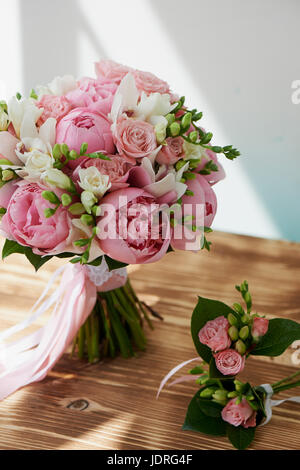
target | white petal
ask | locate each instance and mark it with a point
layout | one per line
(180, 189)
(147, 165)
(163, 186)
(47, 132)
(126, 97)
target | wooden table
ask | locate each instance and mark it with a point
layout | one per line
(123, 412)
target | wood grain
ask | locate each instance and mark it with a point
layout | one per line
(122, 411)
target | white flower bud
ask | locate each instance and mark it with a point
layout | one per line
(88, 200)
(92, 180)
(57, 178)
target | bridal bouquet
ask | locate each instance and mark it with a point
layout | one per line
(105, 171)
(224, 337)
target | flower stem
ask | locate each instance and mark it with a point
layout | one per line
(286, 386)
(286, 379)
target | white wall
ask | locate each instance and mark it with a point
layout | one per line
(234, 60)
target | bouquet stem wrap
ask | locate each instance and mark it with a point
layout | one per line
(29, 359)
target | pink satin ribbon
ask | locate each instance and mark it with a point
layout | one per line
(30, 359)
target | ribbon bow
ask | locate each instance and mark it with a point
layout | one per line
(29, 359)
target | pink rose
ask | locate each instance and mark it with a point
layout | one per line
(96, 95)
(202, 206)
(54, 106)
(172, 152)
(111, 70)
(117, 168)
(25, 222)
(215, 334)
(149, 83)
(132, 237)
(229, 362)
(134, 139)
(82, 125)
(259, 327)
(239, 414)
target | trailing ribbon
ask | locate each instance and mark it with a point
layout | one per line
(173, 372)
(29, 359)
(269, 403)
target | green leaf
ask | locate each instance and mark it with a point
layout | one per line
(205, 310)
(11, 247)
(197, 420)
(280, 335)
(210, 408)
(114, 264)
(240, 437)
(36, 260)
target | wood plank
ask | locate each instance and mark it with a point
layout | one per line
(123, 412)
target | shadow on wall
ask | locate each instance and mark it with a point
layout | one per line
(50, 47)
(244, 55)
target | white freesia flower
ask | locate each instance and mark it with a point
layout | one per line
(21, 112)
(160, 124)
(192, 151)
(92, 180)
(4, 120)
(152, 106)
(59, 86)
(36, 164)
(57, 178)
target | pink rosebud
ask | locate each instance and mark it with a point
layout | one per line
(134, 139)
(240, 414)
(215, 334)
(259, 328)
(54, 106)
(82, 125)
(149, 83)
(172, 152)
(229, 362)
(112, 71)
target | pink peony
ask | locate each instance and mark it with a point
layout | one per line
(259, 328)
(96, 95)
(132, 236)
(229, 362)
(239, 414)
(25, 222)
(82, 125)
(172, 152)
(134, 139)
(54, 106)
(6, 192)
(215, 334)
(149, 83)
(117, 168)
(112, 71)
(202, 206)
